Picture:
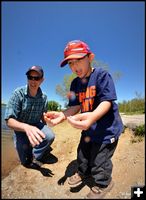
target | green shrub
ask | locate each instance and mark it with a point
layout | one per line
(139, 130)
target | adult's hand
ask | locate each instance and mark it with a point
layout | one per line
(34, 135)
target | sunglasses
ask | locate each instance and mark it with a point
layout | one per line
(35, 78)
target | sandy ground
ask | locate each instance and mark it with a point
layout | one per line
(51, 181)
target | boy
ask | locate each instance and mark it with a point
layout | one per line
(24, 114)
(93, 94)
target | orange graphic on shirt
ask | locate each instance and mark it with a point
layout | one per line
(87, 98)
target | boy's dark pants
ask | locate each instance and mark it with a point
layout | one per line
(95, 159)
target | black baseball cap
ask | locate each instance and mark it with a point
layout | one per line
(37, 69)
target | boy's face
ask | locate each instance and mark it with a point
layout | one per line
(81, 67)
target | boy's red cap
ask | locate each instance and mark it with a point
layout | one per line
(75, 49)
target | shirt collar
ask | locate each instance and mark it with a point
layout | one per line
(39, 92)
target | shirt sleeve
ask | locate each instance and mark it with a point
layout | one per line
(13, 107)
(105, 87)
(73, 94)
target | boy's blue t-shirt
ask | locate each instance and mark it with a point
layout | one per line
(89, 93)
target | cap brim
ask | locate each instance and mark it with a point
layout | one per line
(35, 71)
(72, 56)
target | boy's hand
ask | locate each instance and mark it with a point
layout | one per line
(81, 121)
(53, 118)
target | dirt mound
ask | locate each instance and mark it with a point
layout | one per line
(51, 181)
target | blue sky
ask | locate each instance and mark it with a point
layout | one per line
(35, 33)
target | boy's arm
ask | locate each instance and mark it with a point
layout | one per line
(71, 111)
(84, 120)
(53, 118)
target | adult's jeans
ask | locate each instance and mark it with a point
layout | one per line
(25, 151)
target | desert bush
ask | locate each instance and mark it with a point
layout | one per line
(140, 130)
(138, 134)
